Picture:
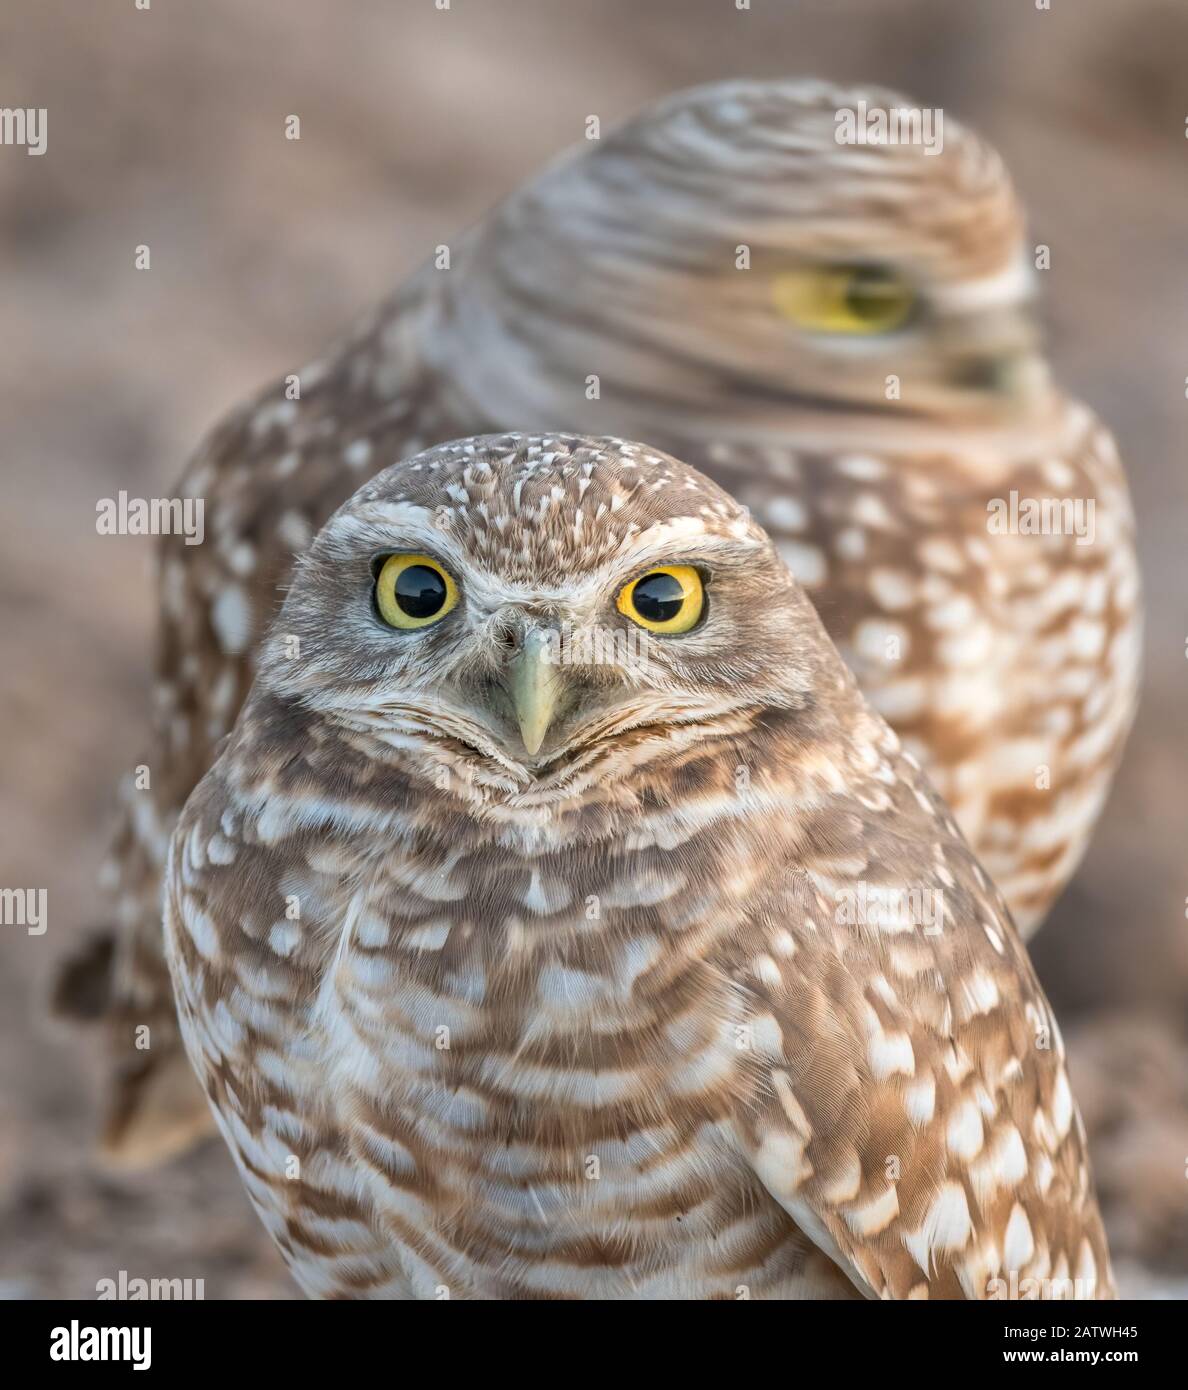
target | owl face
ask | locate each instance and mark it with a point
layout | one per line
(730, 234)
(539, 604)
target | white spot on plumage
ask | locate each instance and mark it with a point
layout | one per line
(1003, 1165)
(807, 562)
(283, 937)
(431, 937)
(890, 1053)
(919, 1100)
(978, 995)
(965, 1133)
(866, 467)
(201, 930)
(781, 1163)
(787, 513)
(880, 641)
(892, 589)
(1018, 1243)
(231, 617)
(850, 544)
(874, 1215)
(947, 1226)
(768, 971)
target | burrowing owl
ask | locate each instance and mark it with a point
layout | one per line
(553, 923)
(840, 335)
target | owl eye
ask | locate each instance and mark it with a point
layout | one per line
(852, 299)
(669, 599)
(413, 591)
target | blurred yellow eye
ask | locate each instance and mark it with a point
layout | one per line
(844, 299)
(669, 599)
(413, 591)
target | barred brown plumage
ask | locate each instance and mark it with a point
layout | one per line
(607, 296)
(637, 1015)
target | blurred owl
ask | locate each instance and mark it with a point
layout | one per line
(560, 921)
(839, 334)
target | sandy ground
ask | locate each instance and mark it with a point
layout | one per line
(166, 128)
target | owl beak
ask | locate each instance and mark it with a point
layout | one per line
(534, 687)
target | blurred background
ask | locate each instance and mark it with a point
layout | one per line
(166, 128)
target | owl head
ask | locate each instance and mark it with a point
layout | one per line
(541, 608)
(751, 246)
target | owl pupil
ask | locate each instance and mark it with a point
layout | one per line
(420, 591)
(872, 294)
(658, 597)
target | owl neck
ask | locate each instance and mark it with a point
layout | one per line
(643, 787)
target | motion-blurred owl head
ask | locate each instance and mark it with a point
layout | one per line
(748, 245)
(536, 606)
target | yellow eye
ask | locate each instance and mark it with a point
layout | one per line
(669, 599)
(413, 591)
(852, 299)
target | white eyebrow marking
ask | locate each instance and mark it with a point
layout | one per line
(1014, 285)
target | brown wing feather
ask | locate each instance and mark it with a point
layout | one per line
(917, 1120)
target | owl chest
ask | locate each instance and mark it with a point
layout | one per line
(531, 1097)
(553, 1047)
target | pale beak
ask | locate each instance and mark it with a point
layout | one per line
(534, 686)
